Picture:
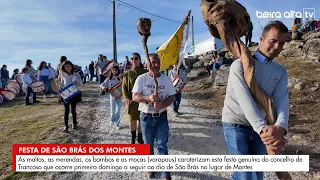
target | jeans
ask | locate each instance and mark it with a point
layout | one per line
(91, 75)
(115, 109)
(47, 83)
(29, 92)
(4, 82)
(176, 102)
(156, 128)
(73, 111)
(102, 78)
(243, 140)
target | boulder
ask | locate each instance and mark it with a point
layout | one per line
(311, 49)
(207, 57)
(291, 52)
(294, 44)
(221, 76)
(312, 35)
(198, 64)
(195, 73)
(190, 61)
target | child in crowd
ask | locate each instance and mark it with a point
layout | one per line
(27, 80)
(15, 73)
(66, 77)
(115, 104)
(177, 73)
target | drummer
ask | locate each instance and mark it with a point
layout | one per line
(177, 97)
(33, 72)
(100, 64)
(66, 77)
(27, 80)
(115, 104)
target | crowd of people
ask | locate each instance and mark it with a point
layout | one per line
(307, 26)
(218, 59)
(147, 112)
(245, 129)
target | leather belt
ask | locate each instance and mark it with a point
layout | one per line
(157, 114)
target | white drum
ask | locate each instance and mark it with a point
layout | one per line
(54, 86)
(116, 91)
(12, 83)
(69, 92)
(37, 86)
(106, 70)
(178, 84)
(14, 89)
(7, 95)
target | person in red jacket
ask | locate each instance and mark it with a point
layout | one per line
(318, 23)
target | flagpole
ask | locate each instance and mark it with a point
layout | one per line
(192, 31)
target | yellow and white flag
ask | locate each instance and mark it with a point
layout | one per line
(169, 51)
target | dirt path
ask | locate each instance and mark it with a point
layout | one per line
(196, 131)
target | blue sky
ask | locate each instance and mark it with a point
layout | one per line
(81, 29)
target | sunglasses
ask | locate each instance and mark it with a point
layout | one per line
(136, 58)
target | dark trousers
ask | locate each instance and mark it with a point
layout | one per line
(73, 104)
(29, 91)
(91, 75)
(176, 102)
(209, 68)
(102, 78)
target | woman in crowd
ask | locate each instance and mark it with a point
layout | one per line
(45, 75)
(4, 75)
(32, 71)
(129, 79)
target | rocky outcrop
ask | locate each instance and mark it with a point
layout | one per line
(198, 64)
(195, 73)
(311, 50)
(312, 35)
(220, 77)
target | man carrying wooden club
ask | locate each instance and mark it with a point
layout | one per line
(153, 116)
(245, 129)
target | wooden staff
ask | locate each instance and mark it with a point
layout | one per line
(228, 20)
(144, 27)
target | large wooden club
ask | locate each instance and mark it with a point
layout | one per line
(144, 27)
(228, 20)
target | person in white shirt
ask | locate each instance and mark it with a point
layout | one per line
(66, 77)
(26, 82)
(45, 75)
(153, 108)
(115, 103)
(174, 73)
(99, 65)
(53, 72)
(86, 74)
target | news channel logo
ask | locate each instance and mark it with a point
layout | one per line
(306, 13)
